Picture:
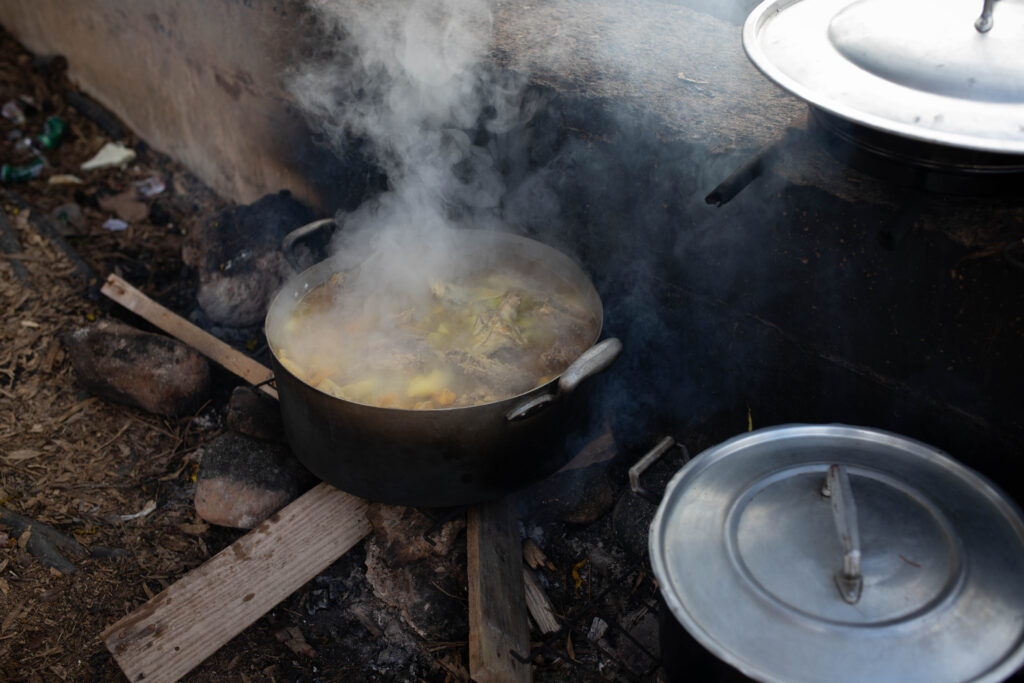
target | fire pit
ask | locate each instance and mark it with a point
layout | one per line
(780, 306)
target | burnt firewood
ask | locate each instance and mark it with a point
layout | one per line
(96, 113)
(48, 545)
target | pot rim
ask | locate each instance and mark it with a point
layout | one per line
(745, 446)
(803, 60)
(324, 269)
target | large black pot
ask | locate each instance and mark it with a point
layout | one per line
(443, 457)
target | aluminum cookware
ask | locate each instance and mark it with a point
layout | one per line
(947, 72)
(814, 553)
(448, 456)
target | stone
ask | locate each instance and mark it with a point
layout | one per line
(126, 205)
(579, 493)
(242, 480)
(238, 256)
(425, 583)
(153, 372)
(254, 414)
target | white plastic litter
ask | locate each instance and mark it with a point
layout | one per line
(64, 179)
(110, 155)
(115, 225)
(150, 507)
(150, 187)
(12, 111)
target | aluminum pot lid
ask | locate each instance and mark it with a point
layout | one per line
(756, 543)
(916, 68)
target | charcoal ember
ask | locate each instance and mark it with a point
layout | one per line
(242, 480)
(153, 372)
(252, 413)
(237, 254)
(421, 581)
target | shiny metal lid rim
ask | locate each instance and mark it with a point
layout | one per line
(998, 672)
(767, 66)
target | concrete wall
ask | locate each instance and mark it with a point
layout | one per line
(198, 80)
(202, 80)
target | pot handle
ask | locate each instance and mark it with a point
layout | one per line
(984, 23)
(652, 456)
(597, 358)
(288, 243)
(837, 487)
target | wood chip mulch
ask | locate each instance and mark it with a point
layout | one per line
(81, 465)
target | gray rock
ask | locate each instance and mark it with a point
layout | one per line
(579, 493)
(151, 371)
(252, 413)
(238, 256)
(243, 480)
(238, 295)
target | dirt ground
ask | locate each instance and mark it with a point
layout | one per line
(120, 481)
(82, 465)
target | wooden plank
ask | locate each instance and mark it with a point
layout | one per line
(497, 603)
(231, 359)
(538, 604)
(168, 636)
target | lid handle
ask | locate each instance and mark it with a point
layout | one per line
(984, 22)
(844, 511)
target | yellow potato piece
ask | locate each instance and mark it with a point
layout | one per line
(360, 390)
(425, 386)
(388, 401)
(445, 398)
(319, 375)
(293, 367)
(331, 387)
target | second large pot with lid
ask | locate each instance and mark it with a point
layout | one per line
(945, 72)
(811, 553)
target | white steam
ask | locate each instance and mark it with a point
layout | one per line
(408, 79)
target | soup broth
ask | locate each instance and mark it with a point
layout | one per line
(483, 336)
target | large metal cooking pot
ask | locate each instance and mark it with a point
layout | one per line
(450, 456)
(829, 552)
(929, 70)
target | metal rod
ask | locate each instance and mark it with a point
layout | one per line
(652, 456)
(750, 170)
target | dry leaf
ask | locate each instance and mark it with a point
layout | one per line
(150, 507)
(126, 206)
(21, 455)
(569, 649)
(24, 538)
(9, 619)
(535, 557)
(4, 587)
(194, 529)
(292, 637)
